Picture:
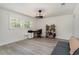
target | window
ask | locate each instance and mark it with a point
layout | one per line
(20, 23)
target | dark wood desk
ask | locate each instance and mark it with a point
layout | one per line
(36, 33)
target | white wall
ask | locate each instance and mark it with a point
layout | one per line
(8, 35)
(76, 21)
(64, 27)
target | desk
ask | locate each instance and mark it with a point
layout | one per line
(36, 33)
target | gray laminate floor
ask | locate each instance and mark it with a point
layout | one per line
(40, 46)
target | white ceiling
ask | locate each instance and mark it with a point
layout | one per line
(49, 9)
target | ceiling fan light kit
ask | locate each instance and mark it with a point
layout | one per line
(39, 16)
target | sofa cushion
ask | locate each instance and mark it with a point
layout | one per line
(62, 48)
(74, 44)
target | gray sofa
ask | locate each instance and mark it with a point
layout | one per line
(62, 48)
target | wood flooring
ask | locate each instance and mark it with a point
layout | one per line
(36, 46)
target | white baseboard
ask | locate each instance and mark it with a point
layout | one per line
(6, 43)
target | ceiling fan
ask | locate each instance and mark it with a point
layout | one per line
(39, 16)
(63, 3)
(40, 12)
